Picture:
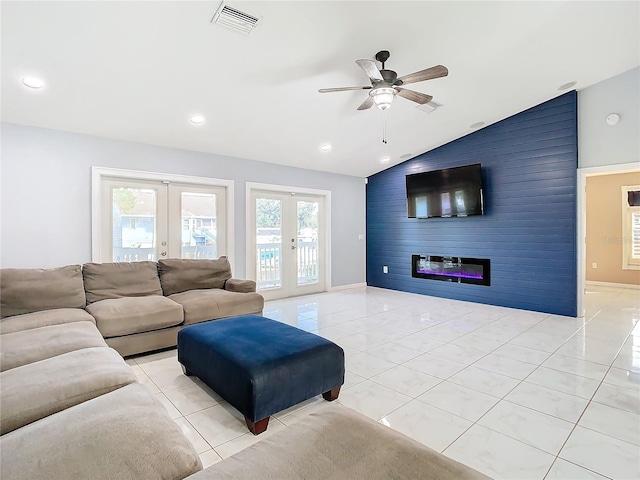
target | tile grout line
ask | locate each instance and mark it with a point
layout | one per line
(504, 399)
(590, 400)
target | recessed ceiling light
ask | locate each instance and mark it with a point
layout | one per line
(32, 82)
(196, 119)
(477, 125)
(325, 147)
(385, 159)
(567, 86)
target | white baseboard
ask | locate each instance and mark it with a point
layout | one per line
(346, 287)
(614, 285)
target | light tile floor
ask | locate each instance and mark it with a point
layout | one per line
(512, 393)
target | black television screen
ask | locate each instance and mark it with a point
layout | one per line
(452, 192)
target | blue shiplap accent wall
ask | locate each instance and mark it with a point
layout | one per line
(529, 165)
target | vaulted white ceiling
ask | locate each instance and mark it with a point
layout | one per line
(137, 70)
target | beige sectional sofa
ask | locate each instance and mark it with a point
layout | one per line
(70, 406)
(138, 307)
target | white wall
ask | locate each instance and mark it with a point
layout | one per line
(598, 143)
(46, 196)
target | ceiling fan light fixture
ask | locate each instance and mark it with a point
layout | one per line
(383, 96)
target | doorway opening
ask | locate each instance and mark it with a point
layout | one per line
(602, 236)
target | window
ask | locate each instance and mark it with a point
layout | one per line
(631, 227)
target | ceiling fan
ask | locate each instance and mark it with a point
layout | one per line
(385, 84)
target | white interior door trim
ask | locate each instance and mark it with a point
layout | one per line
(97, 173)
(583, 173)
(252, 186)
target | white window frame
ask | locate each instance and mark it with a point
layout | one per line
(628, 262)
(97, 174)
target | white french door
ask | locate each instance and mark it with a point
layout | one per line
(151, 219)
(287, 243)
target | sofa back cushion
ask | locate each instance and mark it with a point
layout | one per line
(104, 281)
(26, 290)
(177, 275)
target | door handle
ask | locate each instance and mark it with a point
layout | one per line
(293, 247)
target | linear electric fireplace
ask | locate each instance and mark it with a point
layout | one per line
(451, 269)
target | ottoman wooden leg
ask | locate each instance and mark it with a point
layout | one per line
(257, 427)
(331, 395)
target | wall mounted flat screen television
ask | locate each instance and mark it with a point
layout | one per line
(452, 192)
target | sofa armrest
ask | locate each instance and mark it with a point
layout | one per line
(241, 286)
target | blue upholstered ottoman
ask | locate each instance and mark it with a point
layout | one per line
(261, 366)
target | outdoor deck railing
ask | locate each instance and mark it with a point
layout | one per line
(268, 264)
(141, 254)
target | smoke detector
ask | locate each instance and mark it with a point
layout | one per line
(235, 19)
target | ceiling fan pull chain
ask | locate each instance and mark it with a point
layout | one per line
(384, 127)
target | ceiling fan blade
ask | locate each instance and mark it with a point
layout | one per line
(417, 97)
(366, 104)
(428, 74)
(370, 68)
(342, 89)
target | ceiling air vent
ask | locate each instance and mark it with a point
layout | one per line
(429, 107)
(235, 19)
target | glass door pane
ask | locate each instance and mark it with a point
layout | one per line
(134, 232)
(197, 221)
(199, 238)
(268, 243)
(307, 228)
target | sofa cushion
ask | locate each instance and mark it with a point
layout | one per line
(124, 434)
(178, 275)
(44, 318)
(28, 346)
(136, 343)
(104, 281)
(40, 389)
(202, 305)
(123, 316)
(26, 290)
(337, 443)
